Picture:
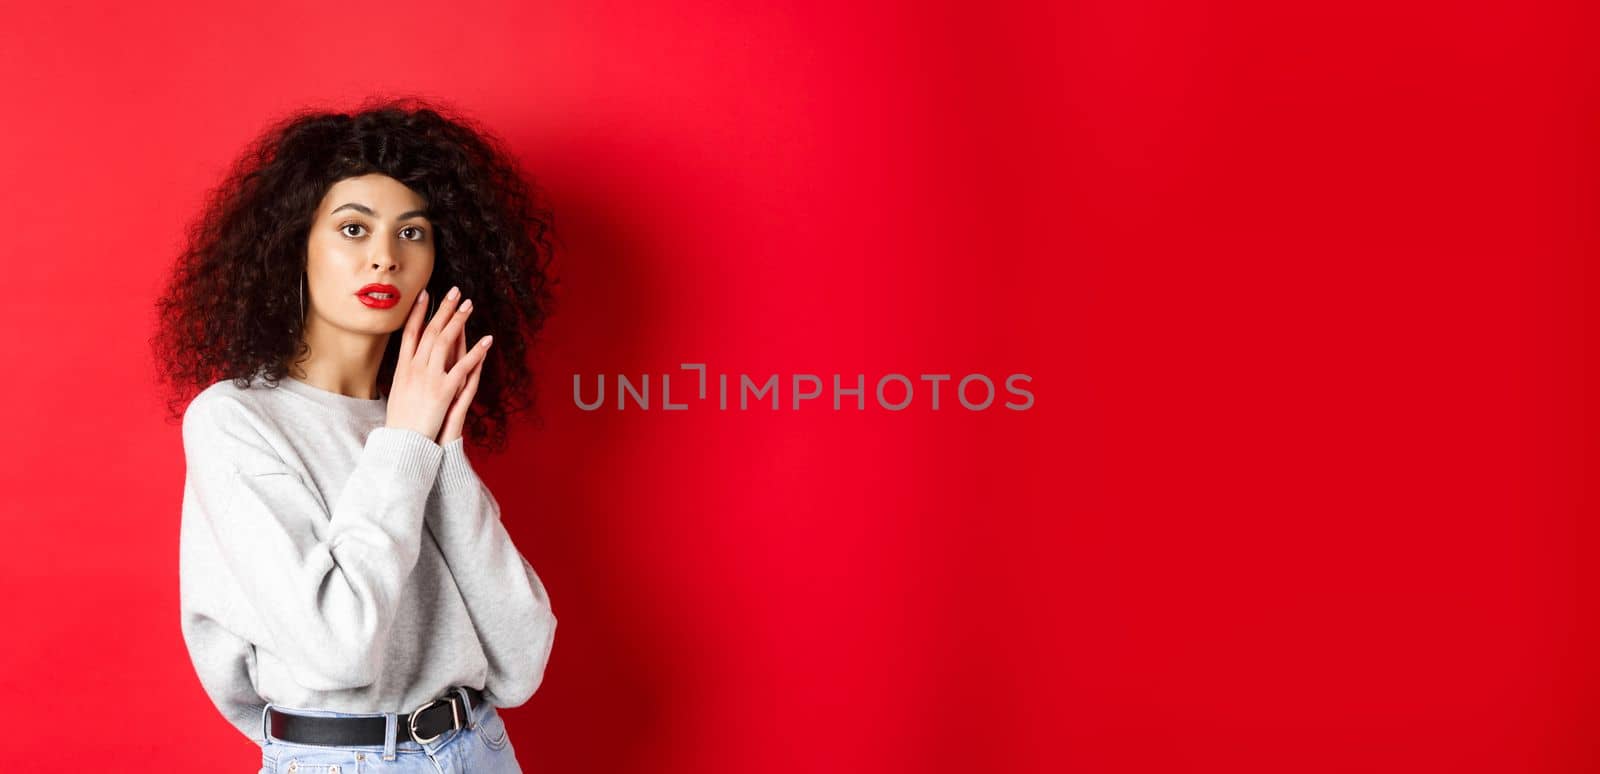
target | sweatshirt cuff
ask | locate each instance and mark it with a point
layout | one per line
(455, 470)
(409, 453)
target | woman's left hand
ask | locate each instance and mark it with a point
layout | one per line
(455, 419)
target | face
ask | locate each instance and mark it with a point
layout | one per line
(369, 239)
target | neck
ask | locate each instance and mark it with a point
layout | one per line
(341, 361)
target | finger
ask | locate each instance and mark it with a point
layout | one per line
(446, 311)
(453, 355)
(463, 402)
(460, 352)
(408, 335)
(467, 364)
(472, 380)
(452, 330)
(471, 387)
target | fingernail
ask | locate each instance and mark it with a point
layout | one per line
(420, 295)
(486, 340)
(466, 305)
(454, 293)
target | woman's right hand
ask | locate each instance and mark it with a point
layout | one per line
(423, 388)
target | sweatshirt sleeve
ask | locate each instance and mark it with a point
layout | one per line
(324, 587)
(507, 602)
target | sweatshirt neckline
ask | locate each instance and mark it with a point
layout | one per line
(363, 408)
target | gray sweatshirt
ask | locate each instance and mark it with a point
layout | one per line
(329, 562)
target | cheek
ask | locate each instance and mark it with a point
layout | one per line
(423, 257)
(327, 260)
(322, 248)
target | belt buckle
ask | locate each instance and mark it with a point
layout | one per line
(411, 721)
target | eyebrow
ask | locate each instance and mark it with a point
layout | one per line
(365, 210)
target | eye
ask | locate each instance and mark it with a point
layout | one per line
(420, 233)
(349, 225)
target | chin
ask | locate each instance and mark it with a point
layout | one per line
(373, 325)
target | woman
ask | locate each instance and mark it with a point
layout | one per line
(350, 598)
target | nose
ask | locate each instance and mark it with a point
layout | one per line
(380, 254)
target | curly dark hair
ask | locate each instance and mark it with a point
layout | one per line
(231, 308)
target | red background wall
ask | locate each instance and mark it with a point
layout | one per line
(1300, 291)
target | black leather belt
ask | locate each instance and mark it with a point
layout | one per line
(423, 724)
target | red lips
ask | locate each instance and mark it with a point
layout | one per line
(375, 302)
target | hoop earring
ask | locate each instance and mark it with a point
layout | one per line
(302, 299)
